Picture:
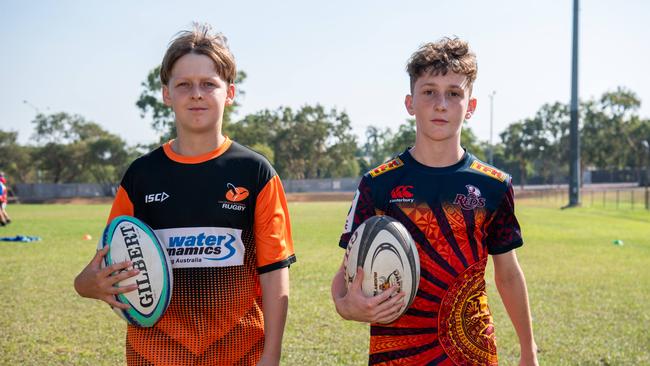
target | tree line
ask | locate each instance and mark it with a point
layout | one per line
(612, 137)
(67, 148)
(316, 142)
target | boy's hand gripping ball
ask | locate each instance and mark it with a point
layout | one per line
(132, 239)
(386, 252)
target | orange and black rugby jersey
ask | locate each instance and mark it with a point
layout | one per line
(223, 217)
(457, 215)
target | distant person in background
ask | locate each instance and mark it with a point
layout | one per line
(4, 217)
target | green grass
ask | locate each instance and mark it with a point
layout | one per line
(589, 298)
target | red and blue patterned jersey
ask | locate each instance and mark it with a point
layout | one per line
(457, 215)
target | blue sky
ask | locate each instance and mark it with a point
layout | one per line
(89, 57)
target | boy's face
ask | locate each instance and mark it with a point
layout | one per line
(440, 103)
(197, 94)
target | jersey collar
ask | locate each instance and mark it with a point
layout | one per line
(409, 159)
(167, 148)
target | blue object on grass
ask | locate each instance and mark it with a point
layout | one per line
(20, 238)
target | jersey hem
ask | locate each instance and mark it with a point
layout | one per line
(277, 265)
(506, 249)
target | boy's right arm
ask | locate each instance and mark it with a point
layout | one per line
(353, 304)
(97, 283)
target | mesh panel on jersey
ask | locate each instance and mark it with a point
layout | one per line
(214, 318)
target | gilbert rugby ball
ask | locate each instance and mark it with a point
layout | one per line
(386, 252)
(132, 239)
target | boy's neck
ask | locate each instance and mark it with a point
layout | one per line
(195, 145)
(437, 155)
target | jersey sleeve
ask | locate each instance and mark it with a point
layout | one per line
(272, 228)
(122, 205)
(362, 208)
(504, 233)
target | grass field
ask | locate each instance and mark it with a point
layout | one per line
(590, 299)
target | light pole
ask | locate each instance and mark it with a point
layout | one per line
(491, 156)
(574, 137)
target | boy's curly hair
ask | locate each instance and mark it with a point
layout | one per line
(438, 58)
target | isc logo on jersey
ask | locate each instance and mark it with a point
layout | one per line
(156, 197)
(203, 246)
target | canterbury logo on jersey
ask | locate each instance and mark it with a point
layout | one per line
(401, 194)
(203, 246)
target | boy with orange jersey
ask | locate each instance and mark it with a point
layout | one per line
(229, 304)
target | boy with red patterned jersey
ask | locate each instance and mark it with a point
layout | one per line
(458, 210)
(221, 211)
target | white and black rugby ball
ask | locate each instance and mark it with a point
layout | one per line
(132, 239)
(386, 252)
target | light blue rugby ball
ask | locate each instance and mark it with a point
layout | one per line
(131, 239)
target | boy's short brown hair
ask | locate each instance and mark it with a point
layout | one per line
(202, 41)
(438, 58)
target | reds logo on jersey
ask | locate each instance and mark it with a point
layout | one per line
(472, 200)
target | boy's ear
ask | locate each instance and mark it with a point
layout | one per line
(408, 103)
(230, 94)
(165, 94)
(471, 107)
